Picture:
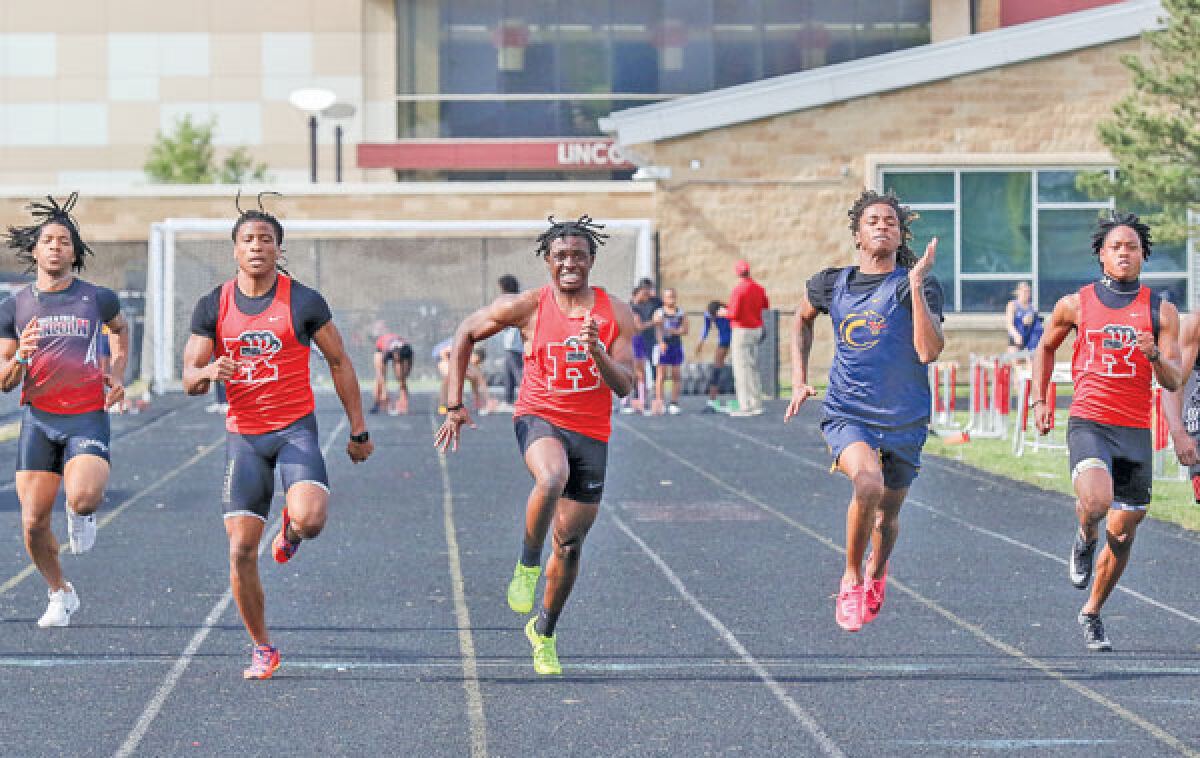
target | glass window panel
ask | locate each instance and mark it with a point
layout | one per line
(1059, 187)
(1166, 257)
(1174, 290)
(923, 187)
(938, 224)
(685, 47)
(987, 297)
(1065, 259)
(996, 218)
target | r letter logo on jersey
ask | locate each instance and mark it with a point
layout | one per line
(252, 351)
(1112, 350)
(571, 368)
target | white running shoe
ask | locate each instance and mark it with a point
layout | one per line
(674, 410)
(62, 604)
(81, 531)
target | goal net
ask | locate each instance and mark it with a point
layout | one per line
(413, 278)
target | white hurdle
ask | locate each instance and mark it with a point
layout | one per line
(943, 376)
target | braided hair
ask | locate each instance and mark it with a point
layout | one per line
(24, 239)
(905, 215)
(1106, 224)
(582, 227)
(261, 214)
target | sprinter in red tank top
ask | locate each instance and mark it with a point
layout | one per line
(578, 352)
(1125, 339)
(260, 326)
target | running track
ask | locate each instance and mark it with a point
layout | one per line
(701, 625)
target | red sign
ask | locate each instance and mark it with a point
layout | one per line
(494, 155)
(1019, 11)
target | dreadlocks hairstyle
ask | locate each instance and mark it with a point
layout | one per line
(24, 239)
(582, 227)
(1107, 223)
(259, 215)
(904, 254)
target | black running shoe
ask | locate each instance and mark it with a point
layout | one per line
(1093, 631)
(1079, 568)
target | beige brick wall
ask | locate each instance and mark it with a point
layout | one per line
(776, 191)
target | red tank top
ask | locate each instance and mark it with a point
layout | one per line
(1112, 378)
(562, 383)
(271, 387)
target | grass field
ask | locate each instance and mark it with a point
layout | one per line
(1173, 500)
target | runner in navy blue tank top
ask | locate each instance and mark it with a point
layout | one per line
(50, 332)
(886, 315)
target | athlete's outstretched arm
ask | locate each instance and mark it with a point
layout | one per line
(1189, 345)
(118, 344)
(1062, 321)
(1164, 355)
(616, 368)
(199, 370)
(928, 339)
(345, 382)
(802, 342)
(505, 311)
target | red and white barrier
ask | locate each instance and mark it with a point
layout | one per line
(943, 378)
(1026, 434)
(990, 397)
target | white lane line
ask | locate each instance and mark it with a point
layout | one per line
(176, 673)
(466, 643)
(107, 518)
(828, 747)
(974, 629)
(981, 530)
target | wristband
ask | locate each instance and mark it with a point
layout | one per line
(1153, 357)
(458, 407)
(360, 438)
(22, 361)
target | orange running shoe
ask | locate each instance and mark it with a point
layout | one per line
(263, 664)
(873, 594)
(280, 546)
(848, 608)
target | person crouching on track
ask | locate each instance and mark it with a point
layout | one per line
(887, 314)
(261, 325)
(578, 352)
(1125, 338)
(50, 332)
(393, 349)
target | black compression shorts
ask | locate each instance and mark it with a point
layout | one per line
(251, 460)
(587, 458)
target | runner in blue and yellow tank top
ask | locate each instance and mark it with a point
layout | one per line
(886, 315)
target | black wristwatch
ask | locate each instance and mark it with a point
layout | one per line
(360, 438)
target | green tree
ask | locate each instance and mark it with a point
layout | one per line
(186, 156)
(1155, 131)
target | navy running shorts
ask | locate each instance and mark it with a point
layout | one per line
(587, 458)
(48, 440)
(1127, 453)
(251, 460)
(399, 355)
(672, 356)
(899, 447)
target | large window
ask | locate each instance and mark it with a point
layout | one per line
(527, 68)
(998, 227)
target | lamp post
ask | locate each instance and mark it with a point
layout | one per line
(312, 101)
(338, 112)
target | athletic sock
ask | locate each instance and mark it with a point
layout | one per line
(531, 556)
(290, 535)
(546, 621)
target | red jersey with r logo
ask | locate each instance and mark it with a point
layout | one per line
(271, 386)
(562, 383)
(1113, 379)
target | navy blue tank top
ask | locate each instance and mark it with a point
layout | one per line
(876, 378)
(1026, 330)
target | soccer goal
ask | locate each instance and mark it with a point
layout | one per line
(414, 278)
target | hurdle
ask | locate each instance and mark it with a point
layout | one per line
(1164, 449)
(1023, 437)
(990, 397)
(943, 378)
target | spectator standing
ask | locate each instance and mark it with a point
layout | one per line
(746, 304)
